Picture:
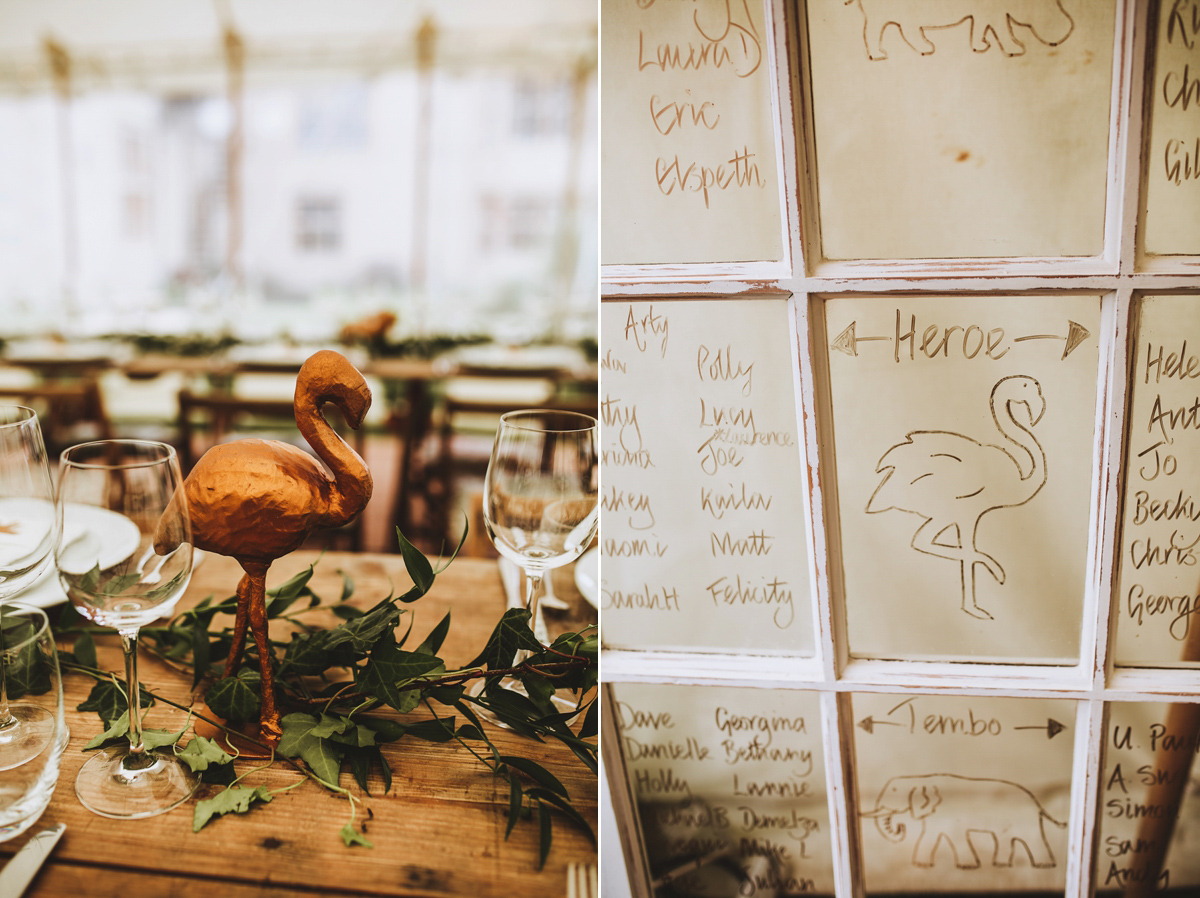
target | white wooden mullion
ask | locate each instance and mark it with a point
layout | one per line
(1086, 775)
(838, 746)
(1113, 419)
(1133, 134)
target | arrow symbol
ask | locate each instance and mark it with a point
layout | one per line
(1076, 334)
(1051, 726)
(847, 342)
(869, 723)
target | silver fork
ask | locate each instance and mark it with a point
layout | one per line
(581, 881)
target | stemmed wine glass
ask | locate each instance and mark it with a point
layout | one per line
(540, 494)
(28, 530)
(124, 557)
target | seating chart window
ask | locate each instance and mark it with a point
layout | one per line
(970, 379)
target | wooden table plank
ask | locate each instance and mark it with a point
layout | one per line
(438, 832)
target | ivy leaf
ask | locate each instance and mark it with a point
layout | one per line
(417, 565)
(436, 637)
(536, 772)
(85, 650)
(511, 635)
(440, 729)
(232, 800)
(200, 754)
(385, 730)
(351, 836)
(286, 594)
(321, 755)
(515, 796)
(119, 729)
(309, 653)
(565, 806)
(588, 728)
(26, 671)
(108, 700)
(152, 739)
(545, 834)
(347, 586)
(233, 699)
(390, 667)
(200, 652)
(361, 633)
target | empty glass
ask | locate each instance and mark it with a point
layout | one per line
(124, 557)
(34, 687)
(28, 530)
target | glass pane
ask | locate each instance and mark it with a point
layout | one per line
(963, 794)
(730, 786)
(1158, 590)
(1173, 147)
(963, 434)
(702, 511)
(688, 160)
(1149, 813)
(936, 135)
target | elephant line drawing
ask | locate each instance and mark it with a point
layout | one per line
(991, 23)
(1005, 811)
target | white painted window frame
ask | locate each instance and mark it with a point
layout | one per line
(1121, 273)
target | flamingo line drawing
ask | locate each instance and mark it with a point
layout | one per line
(952, 480)
(257, 500)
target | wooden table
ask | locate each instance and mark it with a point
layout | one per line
(438, 832)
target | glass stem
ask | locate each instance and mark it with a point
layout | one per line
(6, 717)
(533, 593)
(129, 645)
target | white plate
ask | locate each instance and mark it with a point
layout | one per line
(587, 575)
(47, 591)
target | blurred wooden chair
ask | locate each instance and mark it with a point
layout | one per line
(452, 470)
(70, 412)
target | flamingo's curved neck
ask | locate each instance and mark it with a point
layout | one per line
(351, 476)
(1024, 440)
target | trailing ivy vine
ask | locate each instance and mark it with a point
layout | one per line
(352, 688)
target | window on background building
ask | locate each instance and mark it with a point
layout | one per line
(318, 224)
(333, 118)
(540, 107)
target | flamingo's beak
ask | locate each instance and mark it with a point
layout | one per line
(1034, 415)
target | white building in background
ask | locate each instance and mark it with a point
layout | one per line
(127, 231)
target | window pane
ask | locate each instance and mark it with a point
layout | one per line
(1173, 148)
(963, 435)
(1158, 593)
(936, 135)
(1149, 816)
(730, 786)
(963, 794)
(702, 509)
(689, 148)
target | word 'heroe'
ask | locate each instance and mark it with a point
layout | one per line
(936, 340)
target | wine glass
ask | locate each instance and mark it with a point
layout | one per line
(124, 557)
(30, 666)
(540, 494)
(28, 530)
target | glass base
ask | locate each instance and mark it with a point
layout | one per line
(25, 735)
(117, 783)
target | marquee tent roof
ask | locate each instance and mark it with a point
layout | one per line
(173, 46)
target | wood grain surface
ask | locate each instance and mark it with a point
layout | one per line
(438, 831)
